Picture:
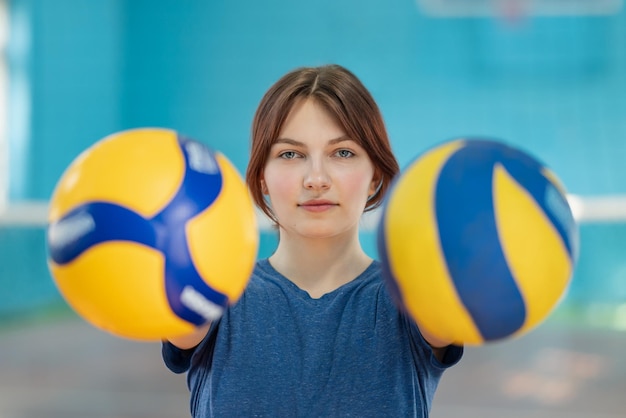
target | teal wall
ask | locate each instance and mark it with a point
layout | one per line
(82, 70)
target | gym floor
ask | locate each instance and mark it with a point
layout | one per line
(64, 368)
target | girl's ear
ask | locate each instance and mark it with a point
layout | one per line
(374, 185)
(264, 187)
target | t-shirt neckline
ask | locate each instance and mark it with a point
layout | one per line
(267, 266)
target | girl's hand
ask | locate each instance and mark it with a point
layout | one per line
(188, 341)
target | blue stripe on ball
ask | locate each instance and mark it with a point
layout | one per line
(527, 172)
(94, 223)
(464, 210)
(200, 187)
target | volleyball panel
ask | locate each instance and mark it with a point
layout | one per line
(118, 286)
(223, 239)
(140, 169)
(411, 249)
(554, 180)
(535, 252)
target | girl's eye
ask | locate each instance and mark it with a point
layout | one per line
(344, 153)
(288, 155)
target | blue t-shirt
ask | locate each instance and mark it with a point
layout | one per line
(280, 353)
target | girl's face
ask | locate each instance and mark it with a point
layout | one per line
(318, 180)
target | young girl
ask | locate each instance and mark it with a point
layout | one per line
(315, 333)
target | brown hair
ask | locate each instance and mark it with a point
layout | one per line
(343, 95)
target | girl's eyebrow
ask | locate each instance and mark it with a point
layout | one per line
(288, 141)
(293, 142)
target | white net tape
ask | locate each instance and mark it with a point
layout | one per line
(586, 209)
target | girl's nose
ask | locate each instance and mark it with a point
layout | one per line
(316, 176)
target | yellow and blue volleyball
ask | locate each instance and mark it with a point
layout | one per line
(151, 234)
(477, 241)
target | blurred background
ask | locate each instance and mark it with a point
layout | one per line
(548, 76)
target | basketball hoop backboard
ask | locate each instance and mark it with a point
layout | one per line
(488, 8)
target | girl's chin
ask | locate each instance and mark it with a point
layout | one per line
(319, 232)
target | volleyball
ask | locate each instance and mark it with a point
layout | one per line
(150, 234)
(477, 241)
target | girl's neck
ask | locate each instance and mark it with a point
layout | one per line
(319, 266)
